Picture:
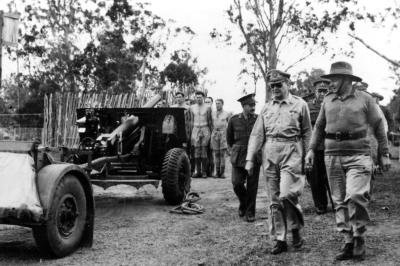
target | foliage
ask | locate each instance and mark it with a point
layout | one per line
(268, 26)
(122, 43)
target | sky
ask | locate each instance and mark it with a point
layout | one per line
(223, 62)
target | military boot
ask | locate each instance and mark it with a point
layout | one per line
(222, 172)
(280, 246)
(204, 167)
(346, 253)
(359, 248)
(298, 241)
(197, 174)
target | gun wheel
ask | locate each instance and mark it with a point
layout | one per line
(175, 176)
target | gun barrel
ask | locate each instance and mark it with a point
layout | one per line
(124, 129)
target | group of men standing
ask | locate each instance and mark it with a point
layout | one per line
(206, 129)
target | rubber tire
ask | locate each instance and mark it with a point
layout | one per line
(173, 189)
(48, 237)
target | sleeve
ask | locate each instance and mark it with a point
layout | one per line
(319, 130)
(229, 133)
(257, 137)
(306, 127)
(389, 118)
(376, 122)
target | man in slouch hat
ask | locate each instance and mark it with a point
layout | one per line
(346, 114)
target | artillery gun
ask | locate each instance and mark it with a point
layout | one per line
(49, 188)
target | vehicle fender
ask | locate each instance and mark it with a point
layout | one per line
(47, 181)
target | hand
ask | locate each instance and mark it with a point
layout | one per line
(385, 163)
(309, 161)
(229, 151)
(249, 168)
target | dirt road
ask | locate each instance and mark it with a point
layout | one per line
(134, 227)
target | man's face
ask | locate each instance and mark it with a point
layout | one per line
(249, 108)
(338, 83)
(208, 102)
(199, 98)
(179, 98)
(187, 101)
(321, 89)
(279, 89)
(219, 105)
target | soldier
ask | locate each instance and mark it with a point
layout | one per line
(201, 132)
(385, 112)
(282, 130)
(343, 122)
(209, 101)
(317, 176)
(237, 137)
(181, 102)
(220, 119)
(210, 167)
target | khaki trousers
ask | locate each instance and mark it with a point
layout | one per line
(349, 179)
(285, 183)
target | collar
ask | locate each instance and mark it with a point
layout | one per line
(288, 100)
(241, 115)
(353, 93)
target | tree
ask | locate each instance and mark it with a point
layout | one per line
(123, 44)
(269, 25)
(304, 81)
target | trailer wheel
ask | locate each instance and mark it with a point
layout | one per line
(64, 228)
(175, 176)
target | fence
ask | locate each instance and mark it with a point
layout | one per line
(59, 118)
(21, 127)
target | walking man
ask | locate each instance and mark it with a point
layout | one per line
(220, 119)
(201, 132)
(317, 176)
(343, 122)
(283, 131)
(237, 137)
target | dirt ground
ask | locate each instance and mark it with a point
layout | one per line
(134, 227)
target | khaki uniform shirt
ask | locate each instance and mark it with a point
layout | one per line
(353, 113)
(287, 119)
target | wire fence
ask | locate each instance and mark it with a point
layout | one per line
(21, 127)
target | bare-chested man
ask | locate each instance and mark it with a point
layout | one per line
(220, 119)
(201, 132)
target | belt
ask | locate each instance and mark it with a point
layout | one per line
(282, 139)
(339, 136)
(219, 129)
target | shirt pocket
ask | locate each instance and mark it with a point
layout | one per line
(294, 118)
(268, 120)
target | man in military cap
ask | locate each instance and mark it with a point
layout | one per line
(282, 131)
(317, 176)
(201, 132)
(237, 137)
(342, 124)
